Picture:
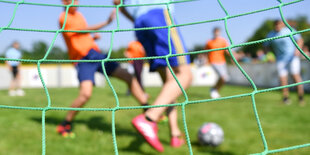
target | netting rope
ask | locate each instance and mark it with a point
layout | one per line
(169, 27)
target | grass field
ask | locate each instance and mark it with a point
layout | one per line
(283, 125)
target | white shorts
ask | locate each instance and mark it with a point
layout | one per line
(284, 67)
(221, 70)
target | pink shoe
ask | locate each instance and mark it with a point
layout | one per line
(177, 141)
(148, 130)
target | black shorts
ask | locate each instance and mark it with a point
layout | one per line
(14, 71)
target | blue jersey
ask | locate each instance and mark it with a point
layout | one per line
(284, 48)
(13, 53)
(137, 11)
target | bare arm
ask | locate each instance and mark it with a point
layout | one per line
(101, 25)
(300, 43)
(96, 36)
(124, 11)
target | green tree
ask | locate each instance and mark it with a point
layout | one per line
(259, 34)
(39, 50)
(119, 53)
(303, 24)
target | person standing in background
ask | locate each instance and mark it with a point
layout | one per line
(14, 67)
(287, 59)
(218, 61)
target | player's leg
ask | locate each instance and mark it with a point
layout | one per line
(138, 67)
(295, 70)
(177, 139)
(85, 92)
(132, 83)
(283, 76)
(86, 88)
(175, 132)
(86, 76)
(12, 91)
(214, 92)
(19, 90)
(170, 90)
(146, 123)
(114, 69)
(221, 71)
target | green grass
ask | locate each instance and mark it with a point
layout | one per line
(283, 125)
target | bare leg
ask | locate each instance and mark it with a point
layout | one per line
(18, 79)
(219, 84)
(86, 88)
(138, 67)
(283, 82)
(170, 90)
(171, 112)
(300, 88)
(132, 83)
(173, 122)
(12, 84)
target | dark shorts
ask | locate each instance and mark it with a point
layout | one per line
(87, 70)
(15, 71)
(155, 42)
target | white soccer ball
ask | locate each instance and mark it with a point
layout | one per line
(210, 134)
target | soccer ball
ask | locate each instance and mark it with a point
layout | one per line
(210, 134)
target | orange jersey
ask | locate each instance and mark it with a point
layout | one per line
(78, 44)
(216, 57)
(135, 50)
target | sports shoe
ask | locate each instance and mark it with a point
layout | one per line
(286, 101)
(302, 103)
(20, 92)
(65, 129)
(214, 93)
(12, 93)
(148, 130)
(177, 141)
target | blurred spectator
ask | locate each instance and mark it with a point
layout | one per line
(271, 58)
(265, 57)
(14, 67)
(200, 60)
(244, 57)
(261, 57)
(218, 61)
(306, 51)
(287, 57)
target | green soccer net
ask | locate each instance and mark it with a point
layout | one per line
(184, 104)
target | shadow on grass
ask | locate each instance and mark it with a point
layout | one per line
(98, 123)
(210, 150)
(93, 123)
(135, 146)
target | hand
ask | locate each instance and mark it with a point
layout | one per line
(96, 36)
(297, 53)
(112, 16)
(117, 2)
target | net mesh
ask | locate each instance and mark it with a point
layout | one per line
(184, 104)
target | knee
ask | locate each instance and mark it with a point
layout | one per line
(85, 96)
(188, 73)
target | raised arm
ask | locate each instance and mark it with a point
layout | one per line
(123, 10)
(101, 25)
(300, 43)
